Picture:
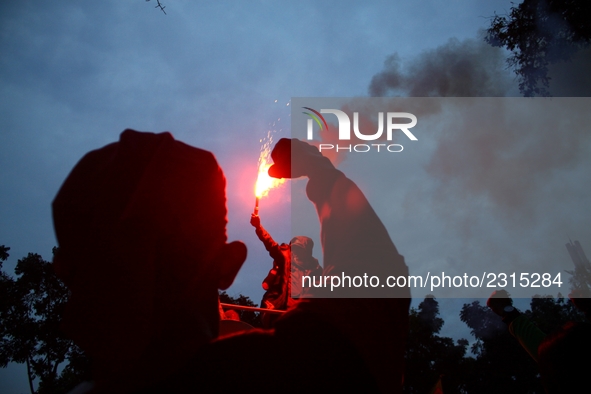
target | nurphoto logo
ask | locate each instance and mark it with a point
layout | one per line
(392, 124)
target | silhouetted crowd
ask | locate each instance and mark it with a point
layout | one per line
(141, 227)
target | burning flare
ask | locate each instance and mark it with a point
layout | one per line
(264, 182)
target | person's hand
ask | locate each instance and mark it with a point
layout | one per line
(293, 158)
(498, 300)
(255, 220)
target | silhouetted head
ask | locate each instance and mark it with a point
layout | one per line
(141, 228)
(301, 250)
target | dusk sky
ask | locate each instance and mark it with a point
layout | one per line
(221, 75)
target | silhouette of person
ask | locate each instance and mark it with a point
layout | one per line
(562, 358)
(143, 249)
(283, 283)
(559, 354)
(141, 226)
(354, 243)
(523, 329)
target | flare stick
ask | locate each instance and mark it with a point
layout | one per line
(256, 207)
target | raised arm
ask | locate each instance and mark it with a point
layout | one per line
(270, 244)
(354, 242)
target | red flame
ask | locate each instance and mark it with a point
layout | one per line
(264, 182)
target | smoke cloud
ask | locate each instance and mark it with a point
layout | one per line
(487, 155)
(469, 68)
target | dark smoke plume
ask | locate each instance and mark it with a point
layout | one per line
(489, 156)
(469, 68)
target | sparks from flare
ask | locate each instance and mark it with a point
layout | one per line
(264, 182)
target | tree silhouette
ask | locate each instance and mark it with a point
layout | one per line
(539, 33)
(428, 355)
(159, 5)
(252, 318)
(500, 364)
(30, 314)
